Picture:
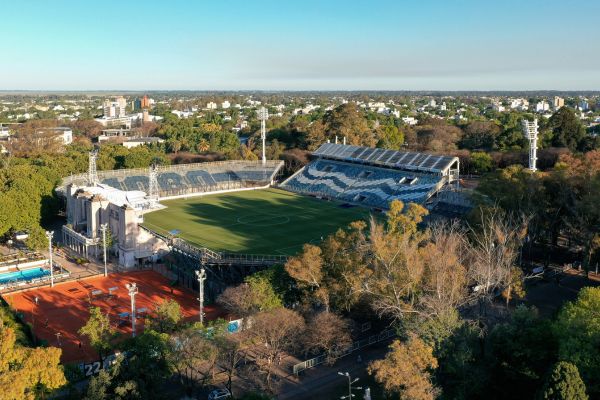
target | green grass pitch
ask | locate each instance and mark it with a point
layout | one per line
(267, 221)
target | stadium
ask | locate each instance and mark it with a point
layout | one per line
(237, 211)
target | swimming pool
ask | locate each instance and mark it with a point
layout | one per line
(25, 275)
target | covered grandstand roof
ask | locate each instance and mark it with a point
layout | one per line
(391, 158)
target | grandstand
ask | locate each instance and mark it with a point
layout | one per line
(187, 179)
(373, 177)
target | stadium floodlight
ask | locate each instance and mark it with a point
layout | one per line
(153, 184)
(263, 116)
(103, 228)
(92, 174)
(133, 290)
(201, 275)
(530, 130)
(49, 235)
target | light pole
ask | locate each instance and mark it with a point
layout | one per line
(49, 235)
(263, 115)
(103, 228)
(201, 275)
(133, 290)
(350, 382)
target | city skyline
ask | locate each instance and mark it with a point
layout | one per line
(310, 46)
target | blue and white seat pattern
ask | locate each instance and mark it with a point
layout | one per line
(363, 184)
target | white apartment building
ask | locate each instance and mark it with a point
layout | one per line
(115, 109)
(542, 106)
(225, 105)
(211, 105)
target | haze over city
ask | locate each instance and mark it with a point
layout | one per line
(309, 45)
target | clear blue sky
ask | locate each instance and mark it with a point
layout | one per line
(299, 45)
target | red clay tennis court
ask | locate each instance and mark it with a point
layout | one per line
(65, 308)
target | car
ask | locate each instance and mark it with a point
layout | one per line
(219, 394)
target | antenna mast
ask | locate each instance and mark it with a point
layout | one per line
(263, 115)
(92, 174)
(530, 130)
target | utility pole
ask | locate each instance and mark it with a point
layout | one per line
(350, 382)
(49, 235)
(201, 275)
(133, 290)
(103, 228)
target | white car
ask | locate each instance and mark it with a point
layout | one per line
(219, 394)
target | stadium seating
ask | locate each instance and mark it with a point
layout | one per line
(362, 184)
(190, 178)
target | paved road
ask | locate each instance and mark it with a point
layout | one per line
(322, 382)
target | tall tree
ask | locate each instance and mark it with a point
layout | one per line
(407, 369)
(99, 332)
(564, 383)
(567, 129)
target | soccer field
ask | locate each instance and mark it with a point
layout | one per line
(258, 221)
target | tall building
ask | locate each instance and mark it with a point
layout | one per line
(145, 102)
(542, 106)
(558, 102)
(115, 109)
(584, 105)
(137, 104)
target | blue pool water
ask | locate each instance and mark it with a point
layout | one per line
(24, 275)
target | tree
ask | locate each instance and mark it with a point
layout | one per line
(390, 137)
(167, 315)
(563, 383)
(578, 333)
(256, 294)
(482, 162)
(307, 270)
(99, 332)
(27, 373)
(403, 218)
(231, 350)
(480, 135)
(520, 351)
(407, 369)
(193, 356)
(275, 332)
(328, 333)
(567, 130)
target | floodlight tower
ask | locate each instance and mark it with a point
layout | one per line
(92, 174)
(530, 130)
(103, 228)
(153, 183)
(49, 235)
(263, 116)
(201, 275)
(133, 290)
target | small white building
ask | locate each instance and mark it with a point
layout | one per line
(225, 105)
(542, 106)
(211, 105)
(135, 142)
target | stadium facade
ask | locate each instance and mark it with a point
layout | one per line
(120, 198)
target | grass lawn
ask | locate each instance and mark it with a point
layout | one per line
(267, 221)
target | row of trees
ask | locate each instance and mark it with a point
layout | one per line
(562, 202)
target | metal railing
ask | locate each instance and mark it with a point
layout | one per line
(389, 333)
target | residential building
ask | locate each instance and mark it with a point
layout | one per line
(584, 105)
(115, 109)
(542, 106)
(558, 102)
(145, 102)
(211, 105)
(225, 105)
